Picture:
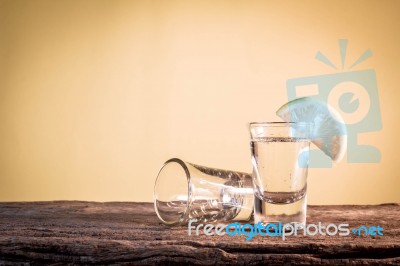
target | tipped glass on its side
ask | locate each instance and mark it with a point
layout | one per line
(185, 191)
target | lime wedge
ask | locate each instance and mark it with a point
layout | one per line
(329, 131)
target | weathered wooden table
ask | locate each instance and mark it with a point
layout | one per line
(69, 232)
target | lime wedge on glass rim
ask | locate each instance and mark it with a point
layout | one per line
(329, 131)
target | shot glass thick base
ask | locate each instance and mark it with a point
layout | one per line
(184, 191)
(266, 212)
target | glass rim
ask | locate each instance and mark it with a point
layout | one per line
(287, 124)
(189, 184)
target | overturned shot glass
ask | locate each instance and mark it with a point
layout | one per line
(185, 191)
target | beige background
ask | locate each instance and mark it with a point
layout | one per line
(96, 95)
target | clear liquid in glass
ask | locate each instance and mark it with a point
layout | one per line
(280, 166)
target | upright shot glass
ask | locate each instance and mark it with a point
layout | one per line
(184, 191)
(279, 155)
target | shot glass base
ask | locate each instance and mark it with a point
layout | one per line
(294, 213)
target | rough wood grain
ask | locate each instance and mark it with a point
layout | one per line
(72, 232)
